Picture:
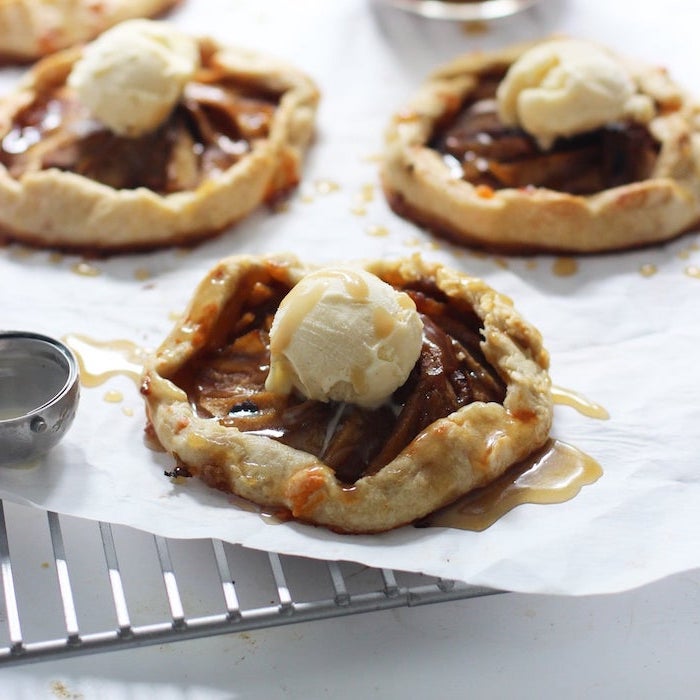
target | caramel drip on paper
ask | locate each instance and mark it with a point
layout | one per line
(575, 400)
(565, 267)
(554, 474)
(101, 360)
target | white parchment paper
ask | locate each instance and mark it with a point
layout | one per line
(622, 338)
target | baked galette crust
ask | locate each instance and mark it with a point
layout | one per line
(457, 453)
(60, 209)
(31, 29)
(421, 187)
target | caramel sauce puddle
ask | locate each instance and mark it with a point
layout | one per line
(575, 400)
(100, 360)
(554, 474)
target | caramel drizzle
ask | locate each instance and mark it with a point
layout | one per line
(554, 474)
(583, 405)
(100, 360)
(354, 284)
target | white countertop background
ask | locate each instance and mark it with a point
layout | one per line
(631, 646)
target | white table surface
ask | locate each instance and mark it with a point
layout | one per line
(643, 643)
(640, 644)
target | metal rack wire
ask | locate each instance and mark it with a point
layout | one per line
(73, 587)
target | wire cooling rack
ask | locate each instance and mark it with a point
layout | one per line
(73, 587)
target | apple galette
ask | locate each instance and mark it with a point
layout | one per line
(31, 29)
(557, 146)
(359, 397)
(148, 137)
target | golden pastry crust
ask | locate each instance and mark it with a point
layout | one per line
(52, 207)
(456, 453)
(31, 29)
(420, 186)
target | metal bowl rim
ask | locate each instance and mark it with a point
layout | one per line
(72, 373)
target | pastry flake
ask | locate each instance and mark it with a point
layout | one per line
(235, 139)
(614, 165)
(476, 402)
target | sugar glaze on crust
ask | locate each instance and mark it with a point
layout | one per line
(453, 455)
(60, 209)
(419, 185)
(32, 29)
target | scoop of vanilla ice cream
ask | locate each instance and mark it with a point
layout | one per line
(132, 76)
(565, 87)
(343, 334)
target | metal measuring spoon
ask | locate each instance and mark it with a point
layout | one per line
(39, 392)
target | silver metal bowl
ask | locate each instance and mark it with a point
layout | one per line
(39, 392)
(463, 11)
